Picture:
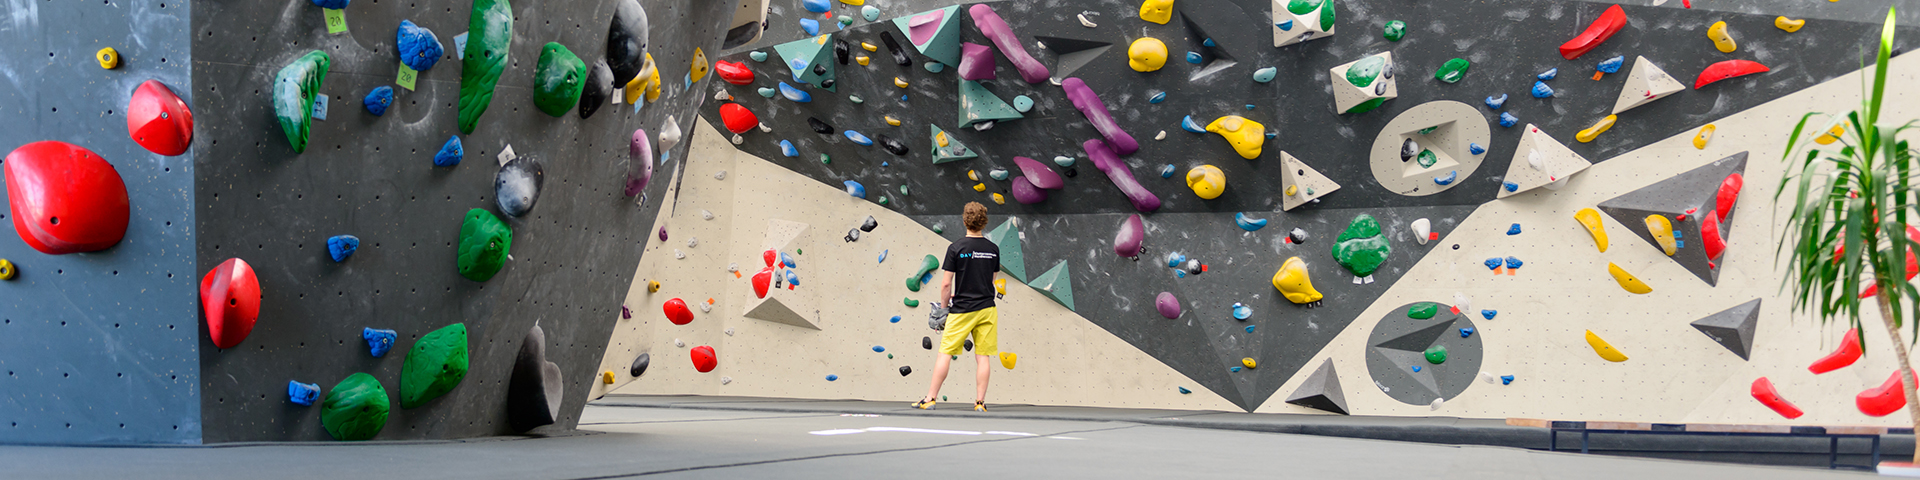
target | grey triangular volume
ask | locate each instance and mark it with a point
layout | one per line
(1073, 53)
(1690, 195)
(773, 310)
(1733, 327)
(1321, 391)
(1419, 340)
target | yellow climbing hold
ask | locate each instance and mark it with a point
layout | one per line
(1007, 359)
(1662, 231)
(999, 199)
(1147, 54)
(1000, 286)
(1605, 349)
(1594, 131)
(1721, 39)
(646, 83)
(1706, 135)
(979, 187)
(1293, 190)
(1590, 218)
(1157, 11)
(1788, 24)
(863, 59)
(1207, 181)
(6, 269)
(1831, 135)
(607, 377)
(868, 46)
(1627, 280)
(699, 68)
(653, 286)
(1248, 362)
(938, 138)
(899, 82)
(108, 58)
(896, 122)
(1292, 282)
(1245, 135)
(975, 176)
(854, 2)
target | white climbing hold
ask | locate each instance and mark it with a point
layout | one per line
(669, 135)
(720, 176)
(729, 332)
(1085, 22)
(1461, 302)
(721, 95)
(1436, 403)
(706, 307)
(765, 129)
(726, 380)
(705, 214)
(677, 254)
(737, 139)
(693, 242)
(678, 343)
(1161, 136)
(733, 268)
(1488, 378)
(1422, 229)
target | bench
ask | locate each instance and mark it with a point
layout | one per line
(1832, 434)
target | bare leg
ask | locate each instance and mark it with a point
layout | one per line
(980, 378)
(939, 374)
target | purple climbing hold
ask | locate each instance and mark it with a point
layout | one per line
(1127, 242)
(976, 61)
(1096, 112)
(1167, 305)
(1039, 174)
(1116, 170)
(640, 165)
(1026, 193)
(663, 234)
(626, 313)
(991, 25)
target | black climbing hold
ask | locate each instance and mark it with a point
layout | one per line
(627, 41)
(899, 56)
(1386, 70)
(1297, 236)
(639, 365)
(967, 344)
(904, 370)
(1409, 149)
(841, 50)
(599, 87)
(892, 146)
(819, 69)
(1072, 172)
(853, 235)
(1380, 89)
(819, 127)
(869, 225)
(533, 391)
(926, 343)
(828, 83)
(517, 185)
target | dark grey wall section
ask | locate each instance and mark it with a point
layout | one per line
(373, 177)
(98, 347)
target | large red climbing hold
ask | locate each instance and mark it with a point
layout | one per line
(65, 199)
(734, 72)
(770, 256)
(1763, 391)
(1710, 239)
(230, 295)
(1727, 69)
(1602, 29)
(1884, 399)
(737, 118)
(677, 312)
(704, 359)
(762, 281)
(1846, 354)
(158, 120)
(1729, 193)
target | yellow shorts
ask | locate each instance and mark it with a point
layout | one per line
(980, 324)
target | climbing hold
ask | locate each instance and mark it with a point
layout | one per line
(534, 392)
(1493, 263)
(677, 312)
(738, 119)
(1023, 103)
(598, 88)
(517, 185)
(108, 58)
(1550, 74)
(230, 297)
(1008, 359)
(1627, 280)
(1494, 103)
(1247, 223)
(294, 88)
(1488, 314)
(356, 409)
(342, 246)
(1166, 171)
(1663, 234)
(1118, 142)
(436, 364)
(767, 92)
(302, 394)
(787, 149)
(158, 120)
(1361, 249)
(1363, 85)
(999, 199)
(1602, 29)
(1437, 354)
(1475, 148)
(1184, 390)
(1448, 178)
(1426, 159)
(1508, 120)
(1187, 123)
(1725, 70)
(1541, 90)
(1843, 355)
(1423, 230)
(811, 26)
(998, 174)
(1611, 65)
(1453, 70)
(1763, 391)
(910, 303)
(1241, 312)
(760, 56)
(1105, 159)
(704, 358)
(1604, 349)
(1423, 310)
(484, 243)
(1297, 236)
(1302, 20)
(1882, 400)
(1157, 11)
(816, 6)
(1721, 39)
(993, 27)
(928, 264)
(1790, 25)
(1147, 54)
(1466, 332)
(1207, 181)
(7, 271)
(857, 138)
(378, 341)
(1194, 57)
(734, 72)
(871, 14)
(1246, 136)
(794, 94)
(490, 33)
(65, 198)
(1513, 263)
(1293, 282)
(640, 166)
(1394, 30)
(1706, 135)
(1248, 362)
(1037, 173)
(1157, 97)
(890, 145)
(818, 126)
(1590, 219)
(1594, 131)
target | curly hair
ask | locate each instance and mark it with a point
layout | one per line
(974, 215)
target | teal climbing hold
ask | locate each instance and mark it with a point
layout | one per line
(758, 56)
(978, 105)
(1023, 103)
(927, 265)
(934, 67)
(870, 13)
(1007, 237)
(1056, 284)
(768, 92)
(1265, 75)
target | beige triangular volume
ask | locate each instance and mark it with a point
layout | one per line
(1540, 161)
(783, 235)
(1646, 83)
(1300, 183)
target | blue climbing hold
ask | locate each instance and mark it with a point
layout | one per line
(1251, 107)
(1507, 120)
(883, 256)
(342, 246)
(903, 97)
(302, 393)
(1175, 259)
(1194, 58)
(856, 190)
(816, 6)
(788, 261)
(1234, 369)
(1187, 123)
(1179, 274)
(331, 4)
(1447, 179)
(1514, 229)
(1514, 262)
(856, 137)
(378, 341)
(449, 154)
(1549, 74)
(794, 94)
(1416, 368)
(1475, 148)
(1248, 224)
(1157, 97)
(832, 377)
(1241, 311)
(787, 148)
(419, 48)
(1286, 26)
(811, 26)
(1506, 379)
(1493, 263)
(1488, 314)
(895, 319)
(1541, 90)
(793, 278)
(1494, 103)
(879, 349)
(1250, 328)
(378, 100)
(1612, 65)
(1510, 186)
(1184, 390)
(1166, 171)
(1466, 332)
(1209, 42)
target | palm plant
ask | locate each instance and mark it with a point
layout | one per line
(1850, 219)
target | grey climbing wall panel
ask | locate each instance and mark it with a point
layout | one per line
(1396, 346)
(372, 177)
(99, 347)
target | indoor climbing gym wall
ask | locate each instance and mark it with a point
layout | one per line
(1278, 206)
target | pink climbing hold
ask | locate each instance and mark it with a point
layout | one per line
(1116, 170)
(1090, 105)
(996, 29)
(639, 164)
(1167, 305)
(976, 61)
(1026, 193)
(922, 27)
(1127, 242)
(1039, 174)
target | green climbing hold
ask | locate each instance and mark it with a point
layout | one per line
(825, 160)
(436, 364)
(1428, 130)
(1007, 237)
(293, 91)
(356, 409)
(979, 105)
(1436, 354)
(942, 228)
(1367, 106)
(1426, 158)
(1423, 311)
(1394, 31)
(1452, 71)
(910, 302)
(1361, 249)
(1303, 7)
(1363, 72)
(883, 200)
(489, 33)
(903, 189)
(1056, 284)
(484, 243)
(927, 264)
(856, 99)
(558, 79)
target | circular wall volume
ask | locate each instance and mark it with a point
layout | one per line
(1400, 343)
(1441, 156)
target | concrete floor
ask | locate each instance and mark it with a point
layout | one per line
(633, 441)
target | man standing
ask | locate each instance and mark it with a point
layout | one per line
(969, 308)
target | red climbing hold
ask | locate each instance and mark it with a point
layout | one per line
(230, 295)
(703, 359)
(1846, 354)
(1710, 237)
(762, 281)
(1602, 29)
(734, 72)
(1763, 391)
(1727, 69)
(1884, 399)
(770, 256)
(1729, 193)
(65, 199)
(738, 119)
(158, 120)
(677, 312)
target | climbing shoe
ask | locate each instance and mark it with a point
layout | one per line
(926, 404)
(980, 406)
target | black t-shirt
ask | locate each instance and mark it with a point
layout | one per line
(972, 261)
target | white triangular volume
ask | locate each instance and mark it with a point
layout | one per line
(1646, 83)
(1346, 95)
(1290, 29)
(782, 235)
(1300, 183)
(1539, 161)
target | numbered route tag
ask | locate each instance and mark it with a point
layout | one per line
(507, 155)
(336, 21)
(407, 77)
(320, 107)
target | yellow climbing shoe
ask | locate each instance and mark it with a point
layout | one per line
(926, 404)
(980, 406)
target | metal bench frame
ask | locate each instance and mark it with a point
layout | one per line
(1833, 439)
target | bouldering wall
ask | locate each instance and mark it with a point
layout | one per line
(99, 347)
